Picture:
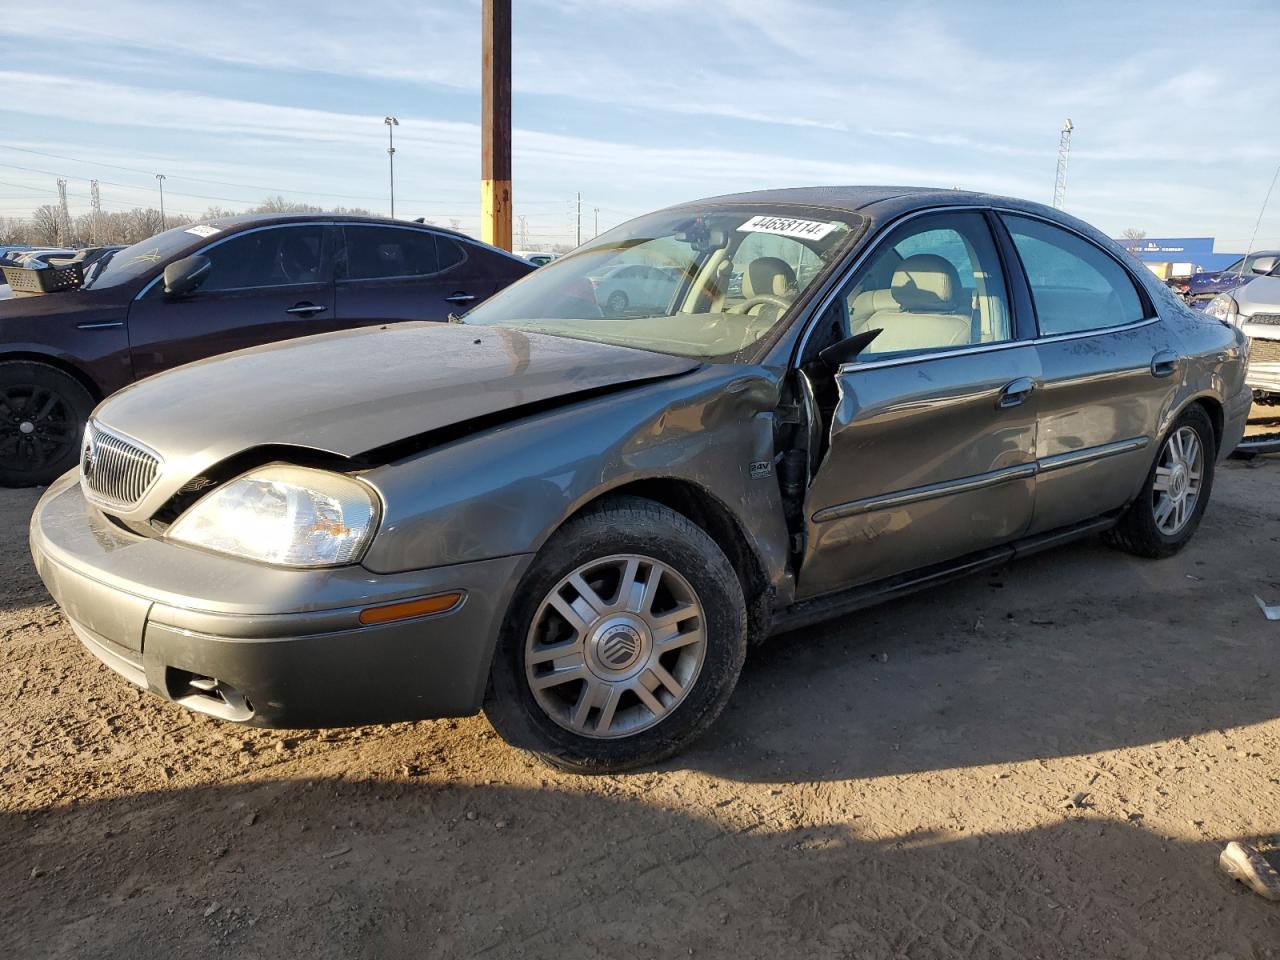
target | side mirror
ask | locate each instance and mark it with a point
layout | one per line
(1264, 265)
(847, 349)
(184, 276)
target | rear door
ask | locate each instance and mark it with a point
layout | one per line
(932, 438)
(266, 284)
(392, 273)
(1110, 370)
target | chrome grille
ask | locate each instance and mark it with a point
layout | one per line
(1266, 351)
(1270, 319)
(114, 470)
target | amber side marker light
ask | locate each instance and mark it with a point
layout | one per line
(442, 603)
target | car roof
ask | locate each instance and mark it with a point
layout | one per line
(267, 219)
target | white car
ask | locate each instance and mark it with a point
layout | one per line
(1255, 309)
(636, 286)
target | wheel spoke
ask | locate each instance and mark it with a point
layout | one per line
(1191, 449)
(609, 708)
(666, 679)
(648, 699)
(570, 614)
(673, 618)
(645, 603)
(545, 653)
(677, 640)
(594, 605)
(593, 694)
(1163, 508)
(1162, 479)
(555, 678)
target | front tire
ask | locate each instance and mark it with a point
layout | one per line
(1163, 518)
(42, 415)
(623, 643)
(617, 302)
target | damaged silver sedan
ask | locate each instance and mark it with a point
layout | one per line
(577, 514)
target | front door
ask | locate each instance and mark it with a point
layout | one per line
(931, 450)
(1110, 372)
(266, 284)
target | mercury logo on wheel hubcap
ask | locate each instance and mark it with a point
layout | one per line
(620, 648)
(27, 427)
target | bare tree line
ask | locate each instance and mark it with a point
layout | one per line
(45, 227)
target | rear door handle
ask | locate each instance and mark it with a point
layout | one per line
(1164, 364)
(306, 309)
(460, 297)
(1016, 393)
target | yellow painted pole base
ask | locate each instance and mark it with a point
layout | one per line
(495, 212)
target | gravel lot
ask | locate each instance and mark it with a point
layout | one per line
(897, 784)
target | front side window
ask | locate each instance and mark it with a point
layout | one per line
(380, 253)
(710, 281)
(934, 284)
(1075, 286)
(274, 257)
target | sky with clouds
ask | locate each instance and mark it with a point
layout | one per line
(640, 103)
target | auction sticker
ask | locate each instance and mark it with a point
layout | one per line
(789, 227)
(203, 230)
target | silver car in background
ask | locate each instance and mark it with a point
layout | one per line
(578, 519)
(1255, 309)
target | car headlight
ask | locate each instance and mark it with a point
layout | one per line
(1224, 307)
(289, 516)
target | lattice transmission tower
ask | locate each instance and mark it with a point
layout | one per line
(95, 204)
(1064, 152)
(64, 215)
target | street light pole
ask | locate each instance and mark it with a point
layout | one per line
(160, 178)
(392, 123)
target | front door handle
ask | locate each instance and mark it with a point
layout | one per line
(1016, 393)
(460, 297)
(1164, 364)
(306, 309)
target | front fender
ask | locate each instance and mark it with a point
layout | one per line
(506, 490)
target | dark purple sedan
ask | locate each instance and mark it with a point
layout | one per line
(211, 288)
(1205, 286)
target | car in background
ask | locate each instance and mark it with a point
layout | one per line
(580, 522)
(1255, 310)
(1203, 287)
(208, 288)
(537, 258)
(636, 286)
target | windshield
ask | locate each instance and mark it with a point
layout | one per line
(132, 262)
(703, 281)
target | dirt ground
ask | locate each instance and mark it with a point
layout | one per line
(896, 784)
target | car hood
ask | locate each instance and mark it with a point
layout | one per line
(1259, 295)
(356, 391)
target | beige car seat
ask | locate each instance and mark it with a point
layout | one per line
(925, 308)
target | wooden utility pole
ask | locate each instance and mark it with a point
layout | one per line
(495, 123)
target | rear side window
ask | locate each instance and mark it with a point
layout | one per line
(1075, 285)
(276, 257)
(379, 253)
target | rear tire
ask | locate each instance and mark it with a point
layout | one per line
(658, 643)
(617, 302)
(1152, 527)
(42, 416)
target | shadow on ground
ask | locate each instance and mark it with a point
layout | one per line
(373, 869)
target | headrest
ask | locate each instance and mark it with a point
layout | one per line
(768, 275)
(926, 282)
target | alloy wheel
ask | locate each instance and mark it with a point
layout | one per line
(36, 426)
(1179, 474)
(615, 646)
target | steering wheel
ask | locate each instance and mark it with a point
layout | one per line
(759, 300)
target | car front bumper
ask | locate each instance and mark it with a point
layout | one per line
(262, 645)
(1263, 374)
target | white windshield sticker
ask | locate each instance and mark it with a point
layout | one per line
(203, 230)
(789, 227)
